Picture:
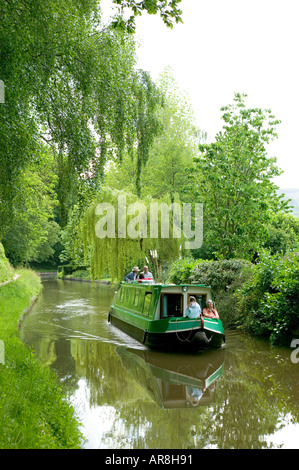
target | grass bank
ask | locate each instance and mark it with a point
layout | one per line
(82, 275)
(34, 414)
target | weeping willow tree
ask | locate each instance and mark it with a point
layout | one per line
(119, 230)
(70, 81)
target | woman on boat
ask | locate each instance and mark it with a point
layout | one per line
(209, 311)
(193, 309)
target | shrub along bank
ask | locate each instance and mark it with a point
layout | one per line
(262, 299)
(224, 277)
(269, 301)
(33, 410)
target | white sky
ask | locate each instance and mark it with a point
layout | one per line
(227, 46)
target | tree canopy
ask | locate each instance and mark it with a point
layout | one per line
(73, 84)
(235, 177)
(77, 106)
(115, 233)
(168, 10)
(171, 155)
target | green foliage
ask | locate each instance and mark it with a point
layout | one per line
(261, 299)
(33, 411)
(269, 302)
(5, 267)
(282, 233)
(73, 249)
(168, 10)
(83, 274)
(31, 232)
(225, 278)
(36, 46)
(174, 149)
(72, 83)
(180, 271)
(171, 154)
(235, 175)
(216, 274)
(115, 255)
(47, 250)
(219, 274)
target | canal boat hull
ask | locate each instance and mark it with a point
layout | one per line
(157, 331)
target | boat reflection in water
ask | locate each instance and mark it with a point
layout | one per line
(175, 380)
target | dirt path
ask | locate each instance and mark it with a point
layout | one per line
(16, 276)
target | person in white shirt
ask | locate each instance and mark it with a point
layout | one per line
(146, 273)
(193, 309)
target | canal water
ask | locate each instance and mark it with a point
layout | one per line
(245, 396)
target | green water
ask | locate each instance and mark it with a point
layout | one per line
(127, 397)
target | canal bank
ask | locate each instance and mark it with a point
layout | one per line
(33, 410)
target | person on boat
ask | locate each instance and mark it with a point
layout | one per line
(132, 276)
(194, 395)
(209, 311)
(142, 278)
(193, 309)
(147, 275)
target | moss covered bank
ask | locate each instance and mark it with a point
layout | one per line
(34, 414)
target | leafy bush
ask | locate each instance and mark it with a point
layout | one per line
(282, 233)
(217, 274)
(181, 271)
(225, 278)
(269, 302)
(262, 299)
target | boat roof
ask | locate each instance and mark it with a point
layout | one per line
(150, 283)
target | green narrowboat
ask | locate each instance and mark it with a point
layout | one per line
(154, 314)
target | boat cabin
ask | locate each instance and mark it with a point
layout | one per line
(160, 301)
(154, 314)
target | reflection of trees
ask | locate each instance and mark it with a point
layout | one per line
(256, 392)
(63, 358)
(258, 387)
(162, 429)
(107, 381)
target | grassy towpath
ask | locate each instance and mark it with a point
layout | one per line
(34, 413)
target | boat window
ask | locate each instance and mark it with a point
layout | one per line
(147, 302)
(200, 299)
(121, 294)
(171, 305)
(137, 296)
(127, 293)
